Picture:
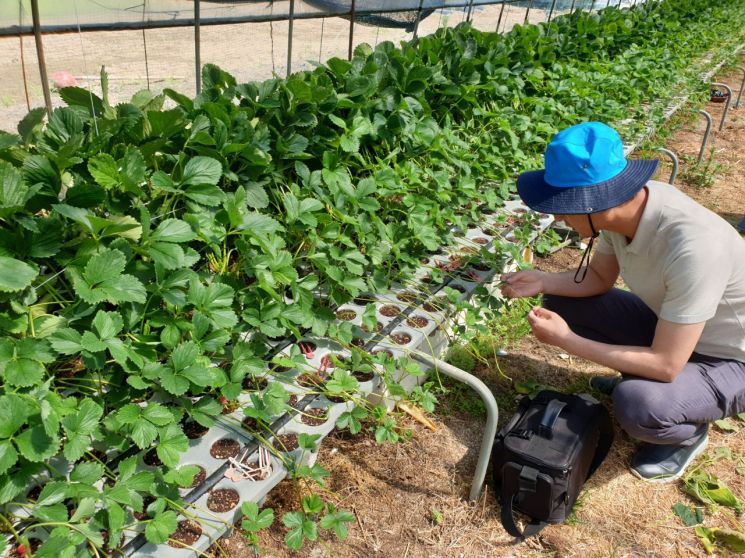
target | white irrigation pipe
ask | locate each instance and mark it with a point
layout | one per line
(492, 413)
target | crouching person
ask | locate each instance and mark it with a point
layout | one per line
(678, 334)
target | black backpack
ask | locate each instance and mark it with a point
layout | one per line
(544, 455)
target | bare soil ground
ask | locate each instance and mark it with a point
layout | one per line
(410, 499)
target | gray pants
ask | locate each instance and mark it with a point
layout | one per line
(707, 389)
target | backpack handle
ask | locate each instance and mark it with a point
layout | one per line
(549, 418)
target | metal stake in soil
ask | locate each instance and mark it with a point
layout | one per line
(709, 123)
(40, 55)
(674, 160)
(742, 86)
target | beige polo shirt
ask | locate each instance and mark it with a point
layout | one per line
(688, 265)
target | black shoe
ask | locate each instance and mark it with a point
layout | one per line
(663, 464)
(605, 384)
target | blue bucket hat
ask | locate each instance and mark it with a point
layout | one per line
(586, 172)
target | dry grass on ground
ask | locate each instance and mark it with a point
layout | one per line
(393, 489)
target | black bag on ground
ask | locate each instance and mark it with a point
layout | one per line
(545, 453)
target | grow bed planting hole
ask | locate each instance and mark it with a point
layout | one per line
(224, 448)
(481, 266)
(407, 296)
(292, 401)
(193, 430)
(286, 442)
(310, 380)
(469, 250)
(346, 315)
(187, 533)
(385, 352)
(390, 310)
(481, 240)
(143, 515)
(199, 477)
(314, 417)
(459, 288)
(307, 348)
(250, 423)
(363, 300)
(401, 338)
(417, 321)
(221, 500)
(358, 342)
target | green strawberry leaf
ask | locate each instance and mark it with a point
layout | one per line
(161, 527)
(36, 445)
(15, 275)
(171, 444)
(81, 427)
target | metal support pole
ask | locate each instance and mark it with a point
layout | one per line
(470, 11)
(571, 9)
(674, 160)
(40, 55)
(726, 103)
(499, 21)
(492, 413)
(197, 47)
(527, 12)
(709, 124)
(418, 19)
(592, 6)
(351, 29)
(290, 24)
(742, 86)
(551, 12)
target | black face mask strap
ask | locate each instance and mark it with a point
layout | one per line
(586, 255)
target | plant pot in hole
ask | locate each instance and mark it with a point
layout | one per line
(310, 380)
(33, 494)
(363, 375)
(417, 321)
(401, 338)
(378, 327)
(286, 442)
(718, 96)
(224, 448)
(221, 500)
(151, 458)
(314, 416)
(346, 315)
(390, 310)
(254, 383)
(143, 515)
(193, 430)
(358, 342)
(96, 455)
(187, 533)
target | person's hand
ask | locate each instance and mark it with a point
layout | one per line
(522, 283)
(548, 327)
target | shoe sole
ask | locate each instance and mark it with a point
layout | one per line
(676, 476)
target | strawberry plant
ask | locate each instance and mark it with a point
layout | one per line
(152, 257)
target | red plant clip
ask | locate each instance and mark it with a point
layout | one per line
(326, 363)
(307, 350)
